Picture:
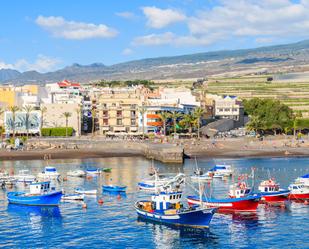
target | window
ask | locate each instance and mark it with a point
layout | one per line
(105, 114)
(266, 189)
(234, 110)
(133, 114)
(227, 109)
(105, 121)
(133, 122)
(119, 114)
(119, 121)
(220, 110)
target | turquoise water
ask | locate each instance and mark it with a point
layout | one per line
(115, 225)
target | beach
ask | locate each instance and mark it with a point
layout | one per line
(220, 148)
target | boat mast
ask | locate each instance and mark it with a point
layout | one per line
(199, 185)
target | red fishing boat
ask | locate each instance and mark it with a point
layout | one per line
(271, 193)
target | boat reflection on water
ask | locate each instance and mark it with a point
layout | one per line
(175, 235)
(25, 211)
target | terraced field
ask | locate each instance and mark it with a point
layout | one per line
(294, 94)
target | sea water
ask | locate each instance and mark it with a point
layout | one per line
(115, 225)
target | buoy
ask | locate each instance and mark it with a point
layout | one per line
(89, 177)
(306, 202)
(100, 201)
(118, 197)
(65, 178)
(84, 205)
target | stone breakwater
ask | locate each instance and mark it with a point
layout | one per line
(82, 148)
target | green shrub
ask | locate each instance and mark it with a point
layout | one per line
(56, 132)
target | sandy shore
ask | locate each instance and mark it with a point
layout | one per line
(224, 148)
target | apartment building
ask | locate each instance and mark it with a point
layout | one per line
(118, 110)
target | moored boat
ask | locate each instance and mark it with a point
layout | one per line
(271, 193)
(166, 208)
(114, 188)
(76, 173)
(303, 179)
(73, 197)
(40, 195)
(158, 181)
(86, 192)
(220, 171)
(49, 173)
(24, 176)
(299, 192)
(93, 171)
(243, 204)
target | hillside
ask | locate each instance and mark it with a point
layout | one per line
(273, 59)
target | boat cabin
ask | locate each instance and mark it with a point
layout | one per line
(165, 200)
(38, 188)
(239, 190)
(269, 186)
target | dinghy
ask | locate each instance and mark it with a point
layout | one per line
(86, 192)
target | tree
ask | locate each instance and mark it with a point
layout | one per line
(13, 110)
(66, 115)
(188, 121)
(175, 115)
(79, 115)
(164, 117)
(143, 110)
(43, 110)
(1, 127)
(28, 109)
(254, 124)
(198, 113)
(93, 117)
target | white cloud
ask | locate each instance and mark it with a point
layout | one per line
(126, 14)
(160, 18)
(59, 27)
(41, 64)
(127, 51)
(263, 21)
(169, 38)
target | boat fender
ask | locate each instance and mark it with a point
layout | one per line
(65, 178)
(118, 197)
(84, 205)
(100, 201)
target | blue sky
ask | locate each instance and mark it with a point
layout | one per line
(47, 35)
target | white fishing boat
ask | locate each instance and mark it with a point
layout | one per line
(85, 192)
(200, 176)
(303, 179)
(49, 173)
(93, 171)
(73, 197)
(221, 171)
(76, 173)
(24, 176)
(152, 184)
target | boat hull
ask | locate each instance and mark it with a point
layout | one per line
(275, 197)
(246, 204)
(194, 218)
(299, 196)
(114, 188)
(51, 199)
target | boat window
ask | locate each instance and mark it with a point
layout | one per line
(42, 186)
(294, 187)
(247, 191)
(266, 189)
(180, 196)
(241, 191)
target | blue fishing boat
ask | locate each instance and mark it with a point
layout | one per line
(114, 188)
(166, 208)
(40, 195)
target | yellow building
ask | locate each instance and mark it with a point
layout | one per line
(10, 95)
(118, 111)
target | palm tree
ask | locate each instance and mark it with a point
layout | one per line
(1, 128)
(198, 113)
(79, 114)
(13, 110)
(188, 120)
(66, 115)
(164, 117)
(254, 124)
(143, 110)
(43, 110)
(93, 116)
(28, 109)
(175, 115)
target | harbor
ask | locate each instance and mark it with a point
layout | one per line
(111, 219)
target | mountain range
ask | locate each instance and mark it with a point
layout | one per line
(271, 59)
